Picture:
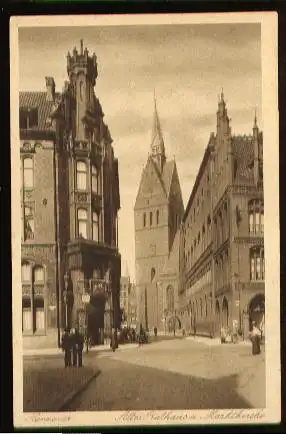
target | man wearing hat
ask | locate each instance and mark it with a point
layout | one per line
(66, 347)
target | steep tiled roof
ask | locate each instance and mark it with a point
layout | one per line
(38, 100)
(243, 152)
(167, 175)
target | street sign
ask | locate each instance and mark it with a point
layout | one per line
(85, 298)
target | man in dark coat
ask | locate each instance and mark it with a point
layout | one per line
(66, 347)
(79, 343)
(73, 347)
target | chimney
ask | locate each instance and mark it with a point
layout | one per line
(50, 85)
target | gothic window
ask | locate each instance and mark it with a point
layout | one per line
(95, 227)
(28, 223)
(82, 222)
(153, 273)
(151, 218)
(170, 298)
(28, 172)
(206, 305)
(199, 238)
(33, 305)
(144, 219)
(257, 263)
(256, 216)
(157, 216)
(201, 307)
(81, 175)
(94, 179)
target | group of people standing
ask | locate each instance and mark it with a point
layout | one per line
(72, 345)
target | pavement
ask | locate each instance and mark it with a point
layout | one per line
(48, 386)
(176, 375)
(169, 374)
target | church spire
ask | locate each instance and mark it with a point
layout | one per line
(157, 142)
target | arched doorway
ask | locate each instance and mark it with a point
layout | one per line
(257, 311)
(174, 323)
(96, 319)
(224, 313)
(217, 317)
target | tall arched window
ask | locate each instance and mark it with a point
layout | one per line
(157, 216)
(26, 272)
(82, 222)
(94, 180)
(201, 307)
(144, 219)
(256, 216)
(28, 172)
(206, 305)
(170, 298)
(151, 218)
(33, 304)
(95, 227)
(153, 273)
(81, 175)
(257, 263)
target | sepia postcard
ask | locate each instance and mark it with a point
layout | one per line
(144, 157)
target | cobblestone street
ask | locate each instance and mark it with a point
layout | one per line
(178, 374)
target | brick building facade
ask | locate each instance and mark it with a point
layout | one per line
(221, 239)
(70, 201)
(158, 212)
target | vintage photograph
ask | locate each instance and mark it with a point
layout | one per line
(145, 276)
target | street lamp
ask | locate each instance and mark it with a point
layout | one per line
(86, 299)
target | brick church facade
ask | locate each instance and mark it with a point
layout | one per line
(158, 212)
(70, 202)
(222, 235)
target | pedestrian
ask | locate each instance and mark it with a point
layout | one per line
(255, 337)
(155, 331)
(79, 343)
(73, 347)
(66, 347)
(113, 339)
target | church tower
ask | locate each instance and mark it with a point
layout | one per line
(158, 212)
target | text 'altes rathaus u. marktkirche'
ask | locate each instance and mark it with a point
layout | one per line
(197, 269)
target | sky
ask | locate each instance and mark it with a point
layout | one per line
(187, 65)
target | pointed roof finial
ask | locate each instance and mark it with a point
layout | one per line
(255, 117)
(157, 138)
(222, 95)
(81, 46)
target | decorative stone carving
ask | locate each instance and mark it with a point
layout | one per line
(42, 251)
(81, 197)
(259, 241)
(26, 290)
(39, 290)
(28, 194)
